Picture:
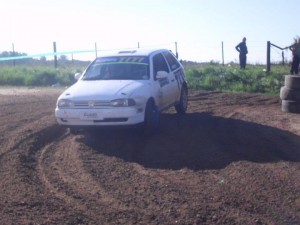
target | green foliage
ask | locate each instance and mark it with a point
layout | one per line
(38, 75)
(253, 79)
(211, 76)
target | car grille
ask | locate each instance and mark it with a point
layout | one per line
(91, 104)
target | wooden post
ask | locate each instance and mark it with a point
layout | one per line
(268, 56)
(13, 52)
(222, 54)
(55, 56)
(96, 50)
(176, 52)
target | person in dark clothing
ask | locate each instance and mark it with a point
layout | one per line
(242, 49)
(295, 48)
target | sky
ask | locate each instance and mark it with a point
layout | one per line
(199, 27)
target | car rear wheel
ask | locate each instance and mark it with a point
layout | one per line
(181, 107)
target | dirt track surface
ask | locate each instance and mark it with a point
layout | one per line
(232, 159)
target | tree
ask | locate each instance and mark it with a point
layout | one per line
(43, 59)
(63, 58)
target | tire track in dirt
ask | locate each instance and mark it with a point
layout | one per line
(216, 165)
(17, 169)
(21, 129)
(26, 161)
(140, 189)
(21, 116)
(61, 169)
(66, 173)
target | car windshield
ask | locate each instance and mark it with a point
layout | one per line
(118, 68)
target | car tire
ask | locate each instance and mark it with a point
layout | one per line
(73, 130)
(290, 106)
(181, 107)
(292, 81)
(151, 120)
(289, 94)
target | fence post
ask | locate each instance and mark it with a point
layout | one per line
(268, 56)
(55, 56)
(13, 53)
(176, 52)
(222, 54)
(96, 50)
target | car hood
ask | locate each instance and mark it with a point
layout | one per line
(104, 89)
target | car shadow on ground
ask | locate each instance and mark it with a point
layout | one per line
(197, 141)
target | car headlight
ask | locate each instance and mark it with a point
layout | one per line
(123, 102)
(65, 103)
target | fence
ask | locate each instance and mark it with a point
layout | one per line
(269, 44)
(55, 54)
(12, 57)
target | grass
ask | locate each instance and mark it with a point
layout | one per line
(211, 76)
(253, 79)
(37, 75)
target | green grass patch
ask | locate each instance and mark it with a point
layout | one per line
(211, 76)
(253, 79)
(38, 75)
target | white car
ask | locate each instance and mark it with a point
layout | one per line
(124, 88)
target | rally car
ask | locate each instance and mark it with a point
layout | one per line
(124, 88)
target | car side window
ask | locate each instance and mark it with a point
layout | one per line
(172, 61)
(159, 64)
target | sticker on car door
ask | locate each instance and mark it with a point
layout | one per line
(179, 76)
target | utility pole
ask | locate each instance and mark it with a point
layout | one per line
(55, 56)
(138, 44)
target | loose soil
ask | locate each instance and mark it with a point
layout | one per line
(232, 159)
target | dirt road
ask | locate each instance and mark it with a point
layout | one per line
(232, 159)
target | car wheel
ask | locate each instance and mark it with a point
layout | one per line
(151, 120)
(181, 107)
(73, 130)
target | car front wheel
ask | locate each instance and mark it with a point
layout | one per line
(73, 130)
(151, 120)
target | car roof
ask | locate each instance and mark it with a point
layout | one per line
(130, 52)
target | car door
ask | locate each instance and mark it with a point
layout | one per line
(165, 84)
(176, 74)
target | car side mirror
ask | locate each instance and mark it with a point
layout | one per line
(162, 74)
(77, 76)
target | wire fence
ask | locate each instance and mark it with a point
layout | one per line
(201, 52)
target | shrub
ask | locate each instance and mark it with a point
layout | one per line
(212, 76)
(253, 79)
(37, 75)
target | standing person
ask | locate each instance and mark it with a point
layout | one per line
(242, 49)
(295, 48)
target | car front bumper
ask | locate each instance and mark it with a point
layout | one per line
(100, 117)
